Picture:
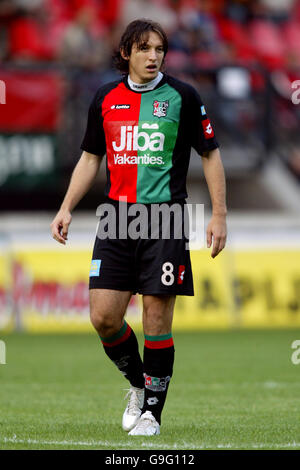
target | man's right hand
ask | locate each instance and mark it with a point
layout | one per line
(60, 226)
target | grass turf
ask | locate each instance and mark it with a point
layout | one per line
(230, 390)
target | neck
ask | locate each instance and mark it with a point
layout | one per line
(145, 86)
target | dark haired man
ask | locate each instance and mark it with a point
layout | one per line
(146, 124)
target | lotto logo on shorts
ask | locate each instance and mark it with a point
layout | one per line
(181, 272)
(156, 384)
(95, 267)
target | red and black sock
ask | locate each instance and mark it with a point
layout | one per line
(122, 348)
(158, 368)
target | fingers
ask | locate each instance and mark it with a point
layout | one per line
(56, 233)
(215, 251)
(209, 238)
(65, 229)
(59, 229)
(218, 245)
(216, 234)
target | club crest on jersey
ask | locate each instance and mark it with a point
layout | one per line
(160, 108)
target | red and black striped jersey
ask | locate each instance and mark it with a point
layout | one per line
(147, 137)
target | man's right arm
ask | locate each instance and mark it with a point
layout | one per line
(83, 176)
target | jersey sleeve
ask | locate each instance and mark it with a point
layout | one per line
(94, 138)
(203, 136)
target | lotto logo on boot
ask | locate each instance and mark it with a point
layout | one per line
(152, 401)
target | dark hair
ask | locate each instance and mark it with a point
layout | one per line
(137, 32)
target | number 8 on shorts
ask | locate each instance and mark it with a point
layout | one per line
(167, 278)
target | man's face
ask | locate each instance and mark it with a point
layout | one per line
(145, 62)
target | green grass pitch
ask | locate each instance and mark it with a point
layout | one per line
(230, 390)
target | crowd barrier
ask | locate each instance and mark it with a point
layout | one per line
(253, 283)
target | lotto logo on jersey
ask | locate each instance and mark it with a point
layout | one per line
(181, 272)
(160, 108)
(131, 139)
(208, 130)
(120, 106)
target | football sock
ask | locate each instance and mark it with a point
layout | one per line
(122, 348)
(158, 368)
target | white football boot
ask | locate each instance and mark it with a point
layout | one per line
(134, 407)
(146, 426)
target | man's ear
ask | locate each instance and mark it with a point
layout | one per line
(123, 55)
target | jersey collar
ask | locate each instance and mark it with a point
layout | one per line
(145, 87)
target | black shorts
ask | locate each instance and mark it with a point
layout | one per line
(144, 265)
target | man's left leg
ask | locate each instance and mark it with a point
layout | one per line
(158, 360)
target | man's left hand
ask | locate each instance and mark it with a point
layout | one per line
(217, 232)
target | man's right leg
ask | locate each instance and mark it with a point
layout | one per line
(107, 311)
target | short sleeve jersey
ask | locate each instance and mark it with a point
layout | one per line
(147, 137)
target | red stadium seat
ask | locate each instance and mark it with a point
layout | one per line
(29, 40)
(235, 34)
(291, 33)
(268, 43)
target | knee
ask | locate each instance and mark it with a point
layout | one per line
(104, 323)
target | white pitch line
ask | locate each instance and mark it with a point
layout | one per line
(118, 445)
(108, 444)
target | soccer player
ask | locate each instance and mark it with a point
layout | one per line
(146, 124)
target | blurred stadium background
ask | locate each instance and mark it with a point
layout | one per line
(243, 57)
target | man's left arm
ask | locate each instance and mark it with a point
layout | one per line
(216, 231)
